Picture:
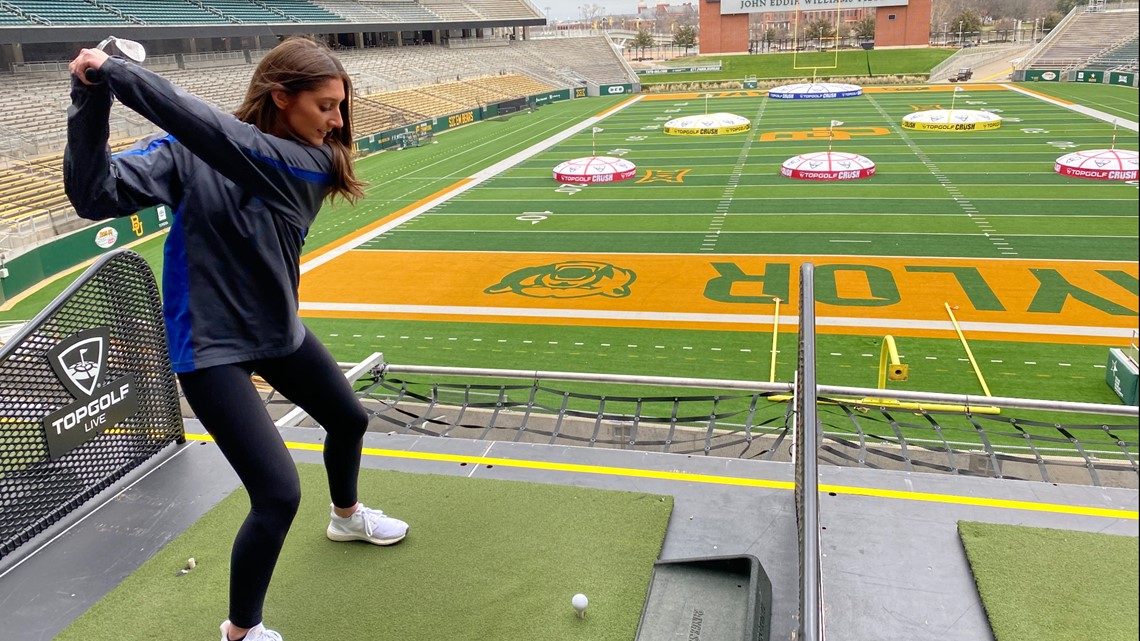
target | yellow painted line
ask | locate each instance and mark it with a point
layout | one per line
(620, 105)
(977, 501)
(1075, 510)
(1021, 87)
(1004, 72)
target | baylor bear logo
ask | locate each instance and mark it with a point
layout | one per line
(569, 279)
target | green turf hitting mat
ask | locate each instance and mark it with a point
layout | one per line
(484, 560)
(1041, 584)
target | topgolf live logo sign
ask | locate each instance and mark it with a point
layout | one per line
(728, 7)
(80, 362)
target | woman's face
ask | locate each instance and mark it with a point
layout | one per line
(312, 115)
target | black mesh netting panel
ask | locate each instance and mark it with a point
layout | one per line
(119, 293)
(1017, 444)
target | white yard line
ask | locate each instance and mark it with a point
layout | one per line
(476, 179)
(1088, 111)
(681, 317)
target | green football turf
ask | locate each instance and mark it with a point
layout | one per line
(1042, 584)
(901, 212)
(1112, 99)
(463, 573)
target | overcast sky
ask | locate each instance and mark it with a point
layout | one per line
(568, 9)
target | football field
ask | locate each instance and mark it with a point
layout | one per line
(478, 257)
(466, 252)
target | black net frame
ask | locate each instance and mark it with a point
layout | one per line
(756, 425)
(734, 424)
(118, 292)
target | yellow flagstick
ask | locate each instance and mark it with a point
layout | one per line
(969, 354)
(775, 334)
(831, 133)
(953, 99)
(1113, 145)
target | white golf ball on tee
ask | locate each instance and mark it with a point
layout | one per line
(580, 602)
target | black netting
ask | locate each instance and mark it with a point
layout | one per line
(118, 293)
(1016, 444)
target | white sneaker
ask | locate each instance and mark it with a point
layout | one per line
(256, 633)
(366, 524)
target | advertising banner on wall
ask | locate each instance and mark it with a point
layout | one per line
(1047, 75)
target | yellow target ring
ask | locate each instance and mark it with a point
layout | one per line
(944, 126)
(707, 131)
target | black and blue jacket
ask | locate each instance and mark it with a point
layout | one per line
(242, 199)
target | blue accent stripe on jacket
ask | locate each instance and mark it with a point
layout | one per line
(154, 144)
(176, 297)
(303, 174)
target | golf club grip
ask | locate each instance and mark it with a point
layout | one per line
(94, 76)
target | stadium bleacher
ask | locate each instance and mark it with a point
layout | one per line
(1121, 57)
(66, 13)
(1083, 40)
(395, 85)
(303, 10)
(451, 9)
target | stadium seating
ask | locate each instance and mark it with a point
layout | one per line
(502, 9)
(396, 86)
(165, 12)
(403, 11)
(1087, 37)
(9, 17)
(354, 11)
(244, 11)
(1123, 56)
(451, 10)
(303, 11)
(69, 13)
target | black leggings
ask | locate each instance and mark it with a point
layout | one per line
(226, 402)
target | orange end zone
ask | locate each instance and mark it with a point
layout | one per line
(1046, 301)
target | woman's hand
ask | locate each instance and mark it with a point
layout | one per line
(87, 59)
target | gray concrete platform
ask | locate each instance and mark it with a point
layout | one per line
(893, 566)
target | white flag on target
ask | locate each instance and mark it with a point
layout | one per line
(598, 129)
(836, 123)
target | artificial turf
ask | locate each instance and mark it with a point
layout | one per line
(484, 559)
(1040, 584)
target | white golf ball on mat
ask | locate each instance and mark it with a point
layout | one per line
(580, 602)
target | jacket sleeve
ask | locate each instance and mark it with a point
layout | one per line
(285, 174)
(99, 185)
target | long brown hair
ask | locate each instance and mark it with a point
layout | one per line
(300, 64)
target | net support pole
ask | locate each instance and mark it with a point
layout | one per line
(806, 467)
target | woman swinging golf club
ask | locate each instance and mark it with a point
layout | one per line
(245, 189)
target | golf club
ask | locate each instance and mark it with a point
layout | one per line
(128, 49)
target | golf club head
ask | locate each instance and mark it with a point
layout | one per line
(128, 49)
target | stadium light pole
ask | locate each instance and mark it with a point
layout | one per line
(960, 23)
